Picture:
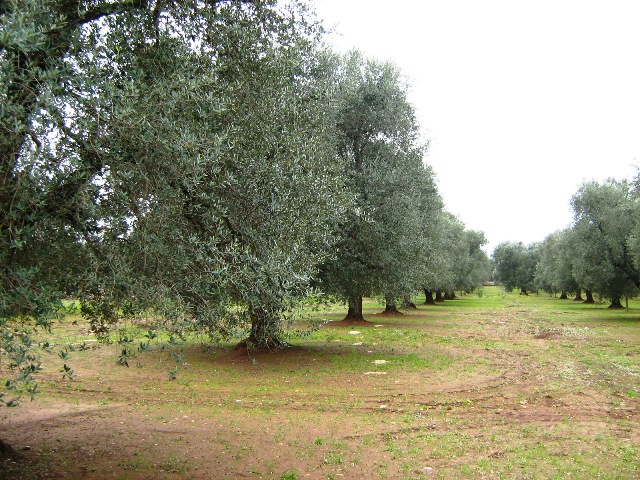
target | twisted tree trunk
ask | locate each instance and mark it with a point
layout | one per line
(390, 305)
(428, 297)
(589, 295)
(265, 329)
(616, 303)
(408, 303)
(354, 312)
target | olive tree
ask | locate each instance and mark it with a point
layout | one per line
(472, 265)
(634, 241)
(515, 265)
(403, 216)
(436, 273)
(245, 189)
(49, 173)
(379, 146)
(174, 158)
(555, 270)
(604, 222)
(457, 262)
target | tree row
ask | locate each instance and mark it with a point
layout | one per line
(211, 165)
(599, 254)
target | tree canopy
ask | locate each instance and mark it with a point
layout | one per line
(515, 265)
(209, 165)
(598, 253)
(383, 235)
(165, 157)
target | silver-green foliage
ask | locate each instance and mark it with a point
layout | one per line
(381, 152)
(48, 168)
(233, 184)
(515, 265)
(634, 241)
(605, 219)
(455, 259)
(172, 158)
(555, 270)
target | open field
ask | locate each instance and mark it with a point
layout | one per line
(491, 386)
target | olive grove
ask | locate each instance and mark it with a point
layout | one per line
(382, 236)
(206, 164)
(598, 254)
(515, 265)
(166, 157)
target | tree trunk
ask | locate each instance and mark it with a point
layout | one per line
(451, 295)
(408, 303)
(615, 303)
(390, 306)
(439, 297)
(589, 295)
(563, 295)
(428, 297)
(355, 309)
(523, 291)
(578, 296)
(265, 327)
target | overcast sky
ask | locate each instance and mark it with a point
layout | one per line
(522, 100)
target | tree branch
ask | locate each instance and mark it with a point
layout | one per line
(106, 9)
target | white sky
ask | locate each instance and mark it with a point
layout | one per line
(522, 100)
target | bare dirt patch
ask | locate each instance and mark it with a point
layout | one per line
(481, 396)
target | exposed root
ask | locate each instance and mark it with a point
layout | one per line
(251, 344)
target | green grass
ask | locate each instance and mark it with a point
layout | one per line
(495, 385)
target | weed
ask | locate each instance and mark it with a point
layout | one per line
(289, 476)
(173, 464)
(334, 458)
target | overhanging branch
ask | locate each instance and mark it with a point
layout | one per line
(106, 9)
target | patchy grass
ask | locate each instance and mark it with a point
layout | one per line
(487, 386)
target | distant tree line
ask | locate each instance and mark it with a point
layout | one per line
(208, 164)
(599, 254)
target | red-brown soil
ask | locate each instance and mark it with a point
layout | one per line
(301, 412)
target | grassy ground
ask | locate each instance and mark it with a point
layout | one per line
(491, 385)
